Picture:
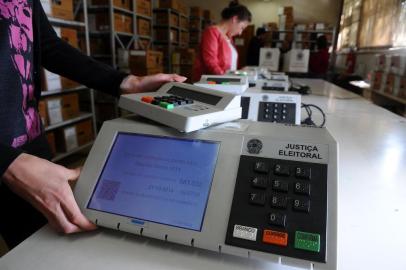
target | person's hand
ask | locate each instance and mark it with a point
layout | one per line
(133, 84)
(46, 186)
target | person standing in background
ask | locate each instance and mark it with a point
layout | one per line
(319, 60)
(255, 46)
(217, 54)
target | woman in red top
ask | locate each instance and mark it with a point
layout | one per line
(217, 54)
(319, 60)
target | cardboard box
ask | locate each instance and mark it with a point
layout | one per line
(68, 84)
(184, 23)
(377, 80)
(143, 27)
(184, 37)
(208, 15)
(68, 34)
(144, 7)
(140, 62)
(398, 85)
(183, 57)
(66, 139)
(51, 142)
(162, 35)
(164, 19)
(84, 132)
(288, 11)
(401, 88)
(58, 9)
(99, 22)
(125, 4)
(42, 109)
(196, 12)
(183, 8)
(398, 64)
(62, 108)
(123, 23)
(389, 84)
(50, 81)
(183, 70)
(194, 37)
(99, 45)
(172, 4)
(142, 44)
(195, 24)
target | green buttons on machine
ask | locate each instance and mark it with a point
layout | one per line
(307, 241)
(227, 83)
(166, 105)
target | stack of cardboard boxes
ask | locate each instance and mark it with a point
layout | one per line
(100, 22)
(389, 75)
(177, 5)
(141, 62)
(182, 62)
(62, 108)
(144, 7)
(199, 19)
(286, 22)
(58, 9)
(124, 4)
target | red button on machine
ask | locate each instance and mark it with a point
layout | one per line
(211, 82)
(147, 99)
(275, 238)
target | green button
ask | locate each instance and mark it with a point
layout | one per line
(166, 105)
(307, 241)
(225, 83)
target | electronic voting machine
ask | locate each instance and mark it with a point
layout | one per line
(244, 188)
(183, 106)
(271, 106)
(227, 83)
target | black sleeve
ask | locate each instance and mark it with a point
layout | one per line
(7, 156)
(59, 57)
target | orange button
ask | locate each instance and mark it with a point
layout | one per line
(147, 99)
(275, 238)
(211, 82)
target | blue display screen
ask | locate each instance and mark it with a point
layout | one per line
(158, 179)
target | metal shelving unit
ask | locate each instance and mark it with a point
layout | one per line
(117, 40)
(202, 24)
(60, 156)
(170, 45)
(83, 116)
(63, 91)
(81, 26)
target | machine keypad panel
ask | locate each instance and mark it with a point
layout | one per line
(280, 207)
(277, 112)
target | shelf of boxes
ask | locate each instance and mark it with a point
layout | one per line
(117, 25)
(63, 91)
(63, 16)
(388, 80)
(60, 156)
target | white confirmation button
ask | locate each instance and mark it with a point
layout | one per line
(244, 232)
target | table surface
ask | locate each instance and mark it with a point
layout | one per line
(371, 208)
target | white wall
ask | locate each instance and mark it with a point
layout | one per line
(327, 11)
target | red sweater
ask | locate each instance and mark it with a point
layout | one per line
(319, 62)
(214, 56)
